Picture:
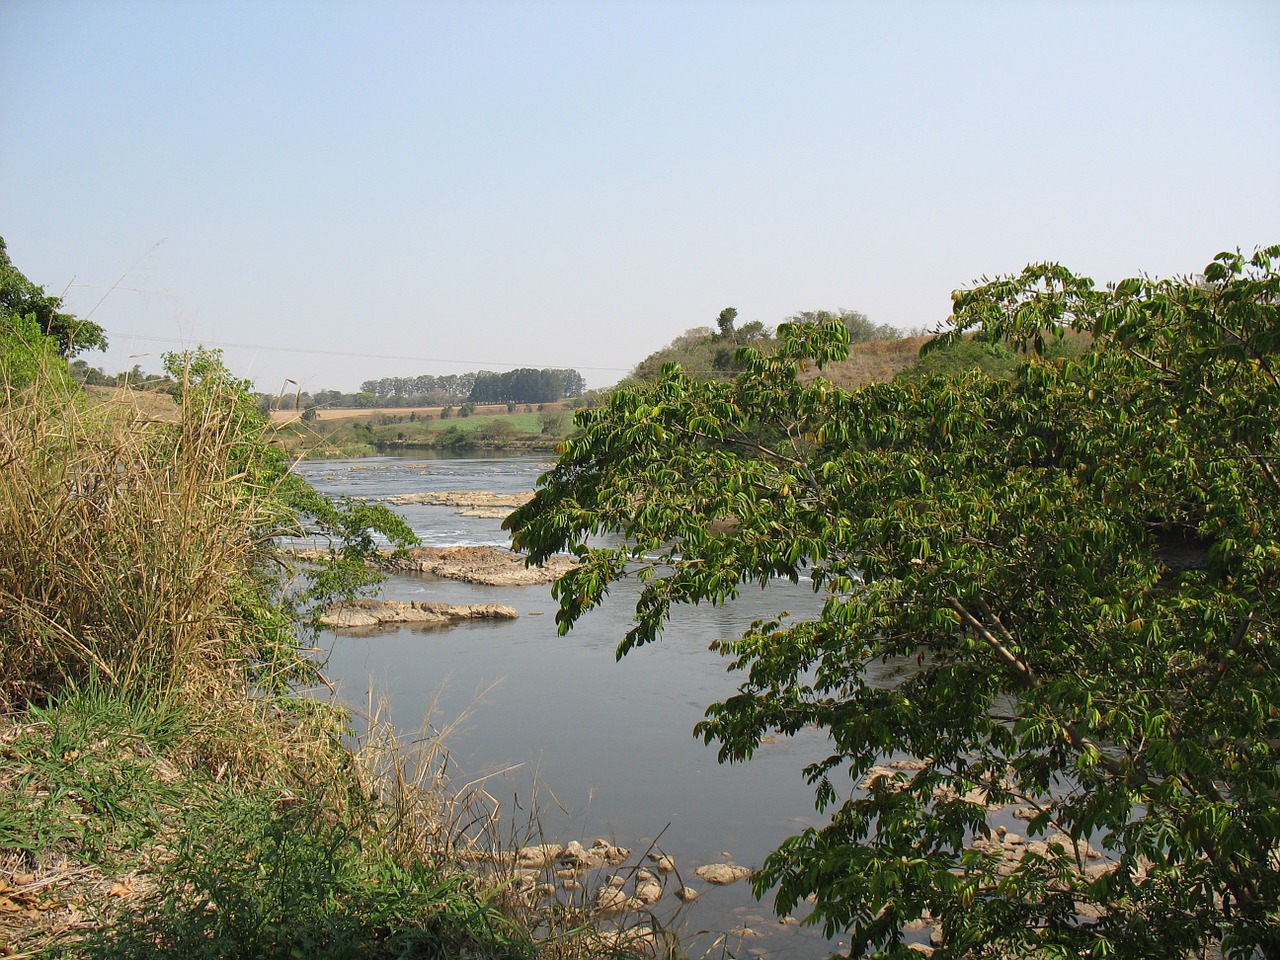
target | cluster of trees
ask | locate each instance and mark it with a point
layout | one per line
(1056, 588)
(526, 385)
(136, 378)
(34, 329)
(425, 390)
(710, 353)
(480, 386)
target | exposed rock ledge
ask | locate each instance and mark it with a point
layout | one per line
(463, 498)
(491, 566)
(470, 503)
(422, 613)
(487, 565)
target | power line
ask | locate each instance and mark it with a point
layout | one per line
(346, 353)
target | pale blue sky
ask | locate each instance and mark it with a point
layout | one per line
(456, 186)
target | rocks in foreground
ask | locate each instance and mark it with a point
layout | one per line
(375, 613)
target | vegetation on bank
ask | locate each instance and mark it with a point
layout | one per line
(168, 787)
(447, 429)
(712, 353)
(1051, 562)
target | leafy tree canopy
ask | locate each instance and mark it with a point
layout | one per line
(706, 352)
(859, 325)
(20, 298)
(1056, 590)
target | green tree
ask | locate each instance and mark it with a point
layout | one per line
(860, 327)
(19, 298)
(29, 357)
(725, 321)
(1056, 590)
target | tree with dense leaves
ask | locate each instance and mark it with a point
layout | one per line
(725, 321)
(1057, 590)
(20, 299)
(859, 325)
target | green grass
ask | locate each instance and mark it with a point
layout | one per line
(383, 431)
(520, 422)
(137, 816)
(251, 877)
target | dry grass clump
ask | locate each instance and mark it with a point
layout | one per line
(878, 361)
(124, 544)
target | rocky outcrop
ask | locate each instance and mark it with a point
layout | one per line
(487, 565)
(464, 498)
(722, 873)
(491, 566)
(419, 613)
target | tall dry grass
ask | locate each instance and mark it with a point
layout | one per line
(125, 543)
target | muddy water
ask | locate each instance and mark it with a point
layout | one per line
(602, 748)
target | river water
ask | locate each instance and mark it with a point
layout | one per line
(603, 748)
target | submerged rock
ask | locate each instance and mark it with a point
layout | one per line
(463, 498)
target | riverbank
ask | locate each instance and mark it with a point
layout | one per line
(175, 778)
(491, 566)
(333, 434)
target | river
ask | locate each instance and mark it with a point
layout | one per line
(603, 748)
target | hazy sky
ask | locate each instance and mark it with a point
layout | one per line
(337, 192)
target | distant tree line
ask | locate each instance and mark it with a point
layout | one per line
(449, 388)
(137, 378)
(482, 386)
(527, 385)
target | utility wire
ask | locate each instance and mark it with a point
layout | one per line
(348, 353)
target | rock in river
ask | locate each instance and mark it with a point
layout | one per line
(422, 613)
(722, 873)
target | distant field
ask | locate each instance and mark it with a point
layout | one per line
(153, 406)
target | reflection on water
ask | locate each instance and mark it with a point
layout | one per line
(609, 745)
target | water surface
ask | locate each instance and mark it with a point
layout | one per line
(607, 746)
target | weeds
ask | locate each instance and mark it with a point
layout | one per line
(166, 786)
(254, 877)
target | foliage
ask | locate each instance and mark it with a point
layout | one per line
(255, 878)
(28, 356)
(860, 327)
(1056, 589)
(704, 352)
(140, 553)
(726, 320)
(20, 298)
(526, 385)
